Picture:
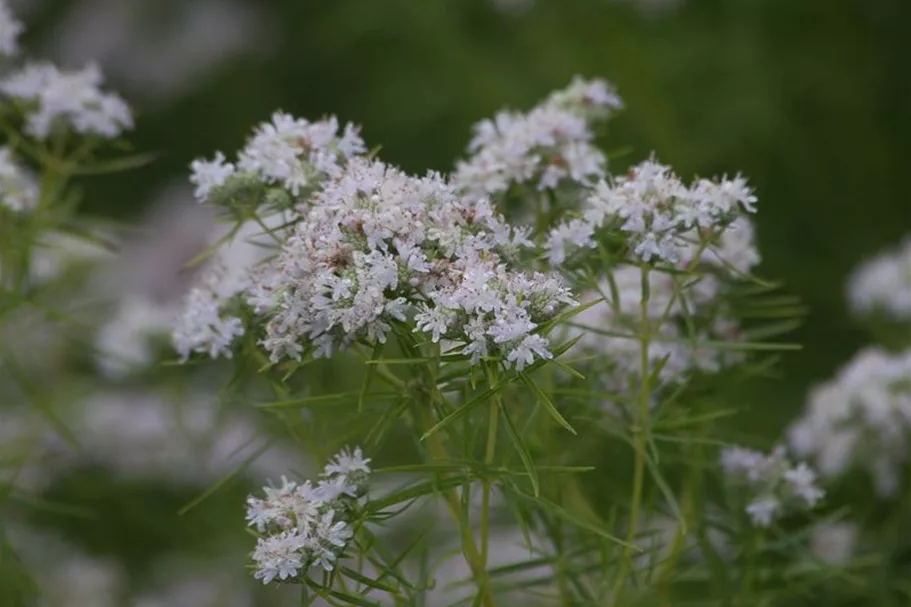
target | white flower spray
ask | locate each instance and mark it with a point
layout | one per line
(861, 419)
(308, 525)
(550, 144)
(661, 217)
(773, 484)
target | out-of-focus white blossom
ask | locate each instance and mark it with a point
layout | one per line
(661, 218)
(304, 524)
(209, 174)
(187, 438)
(774, 486)
(10, 28)
(549, 144)
(376, 245)
(835, 543)
(883, 284)
(18, 189)
(123, 343)
(860, 419)
(74, 99)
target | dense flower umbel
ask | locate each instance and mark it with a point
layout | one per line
(546, 146)
(18, 190)
(307, 525)
(775, 485)
(661, 217)
(861, 419)
(71, 99)
(10, 28)
(884, 283)
(377, 246)
(288, 152)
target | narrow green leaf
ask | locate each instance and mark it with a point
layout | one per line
(366, 581)
(522, 449)
(322, 399)
(415, 491)
(565, 515)
(371, 371)
(464, 410)
(546, 402)
(116, 165)
(353, 599)
(566, 315)
(223, 480)
(667, 492)
(41, 402)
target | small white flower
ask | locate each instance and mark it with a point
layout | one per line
(531, 347)
(775, 484)
(71, 98)
(348, 462)
(278, 556)
(802, 480)
(660, 216)
(18, 189)
(883, 283)
(10, 28)
(763, 511)
(209, 174)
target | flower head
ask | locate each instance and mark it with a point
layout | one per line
(72, 99)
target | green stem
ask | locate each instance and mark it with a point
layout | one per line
(454, 504)
(641, 443)
(753, 546)
(489, 452)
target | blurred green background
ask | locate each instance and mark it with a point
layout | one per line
(811, 99)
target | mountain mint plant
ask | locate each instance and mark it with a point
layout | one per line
(533, 352)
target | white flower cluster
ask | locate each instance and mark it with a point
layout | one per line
(883, 284)
(207, 323)
(377, 245)
(290, 152)
(55, 98)
(306, 525)
(551, 143)
(661, 218)
(776, 486)
(206, 326)
(18, 190)
(10, 28)
(861, 419)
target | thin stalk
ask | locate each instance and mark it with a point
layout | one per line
(489, 452)
(641, 431)
(746, 587)
(454, 504)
